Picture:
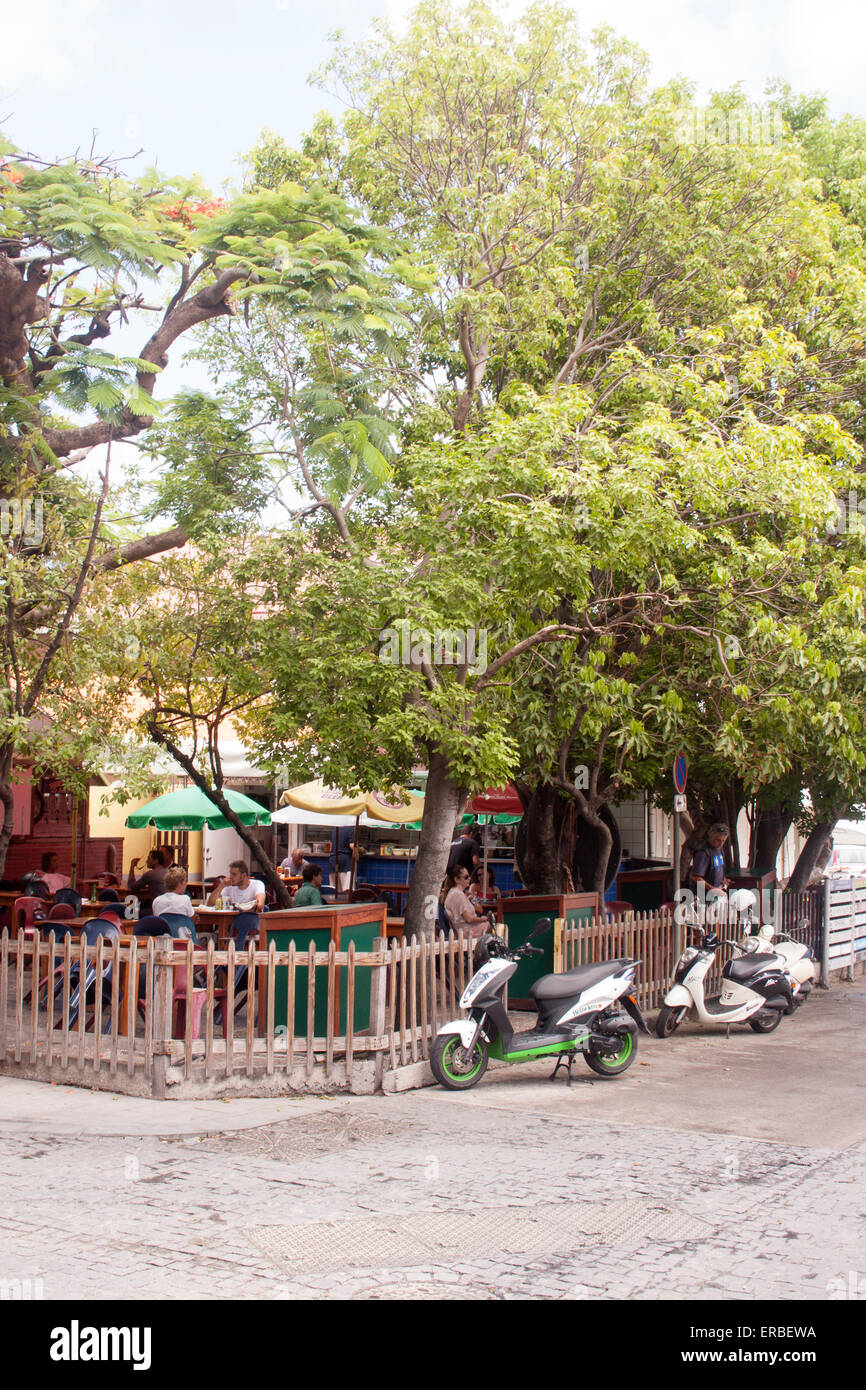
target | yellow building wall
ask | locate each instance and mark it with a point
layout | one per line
(136, 843)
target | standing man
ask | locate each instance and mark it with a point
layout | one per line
(345, 849)
(707, 871)
(465, 851)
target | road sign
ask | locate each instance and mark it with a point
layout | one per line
(681, 773)
(679, 802)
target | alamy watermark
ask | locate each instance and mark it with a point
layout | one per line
(854, 1287)
(850, 517)
(19, 517)
(701, 125)
(405, 645)
(17, 1290)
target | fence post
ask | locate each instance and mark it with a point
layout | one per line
(378, 987)
(825, 942)
(163, 988)
(558, 924)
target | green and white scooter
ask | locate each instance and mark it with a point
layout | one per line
(590, 1010)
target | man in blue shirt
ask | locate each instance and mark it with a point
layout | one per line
(708, 865)
(344, 851)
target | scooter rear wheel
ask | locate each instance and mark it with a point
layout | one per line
(767, 1021)
(619, 1062)
(450, 1065)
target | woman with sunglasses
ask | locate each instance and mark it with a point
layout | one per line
(460, 911)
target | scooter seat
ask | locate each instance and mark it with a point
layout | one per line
(576, 980)
(742, 968)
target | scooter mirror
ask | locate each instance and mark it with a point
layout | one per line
(542, 925)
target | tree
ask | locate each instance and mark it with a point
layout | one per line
(85, 251)
(578, 240)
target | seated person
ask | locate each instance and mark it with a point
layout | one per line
(294, 863)
(49, 875)
(175, 899)
(476, 893)
(460, 912)
(151, 883)
(241, 890)
(309, 893)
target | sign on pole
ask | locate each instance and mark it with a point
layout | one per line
(681, 774)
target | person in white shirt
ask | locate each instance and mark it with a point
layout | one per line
(240, 889)
(175, 898)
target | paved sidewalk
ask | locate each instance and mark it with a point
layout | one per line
(716, 1168)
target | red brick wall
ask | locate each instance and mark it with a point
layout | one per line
(52, 832)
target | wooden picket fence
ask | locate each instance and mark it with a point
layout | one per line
(162, 1018)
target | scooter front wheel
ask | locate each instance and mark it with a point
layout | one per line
(613, 1064)
(669, 1020)
(453, 1067)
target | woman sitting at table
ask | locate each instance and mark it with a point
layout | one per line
(175, 899)
(476, 892)
(459, 910)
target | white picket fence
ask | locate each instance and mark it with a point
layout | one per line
(845, 916)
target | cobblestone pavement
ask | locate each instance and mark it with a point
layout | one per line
(521, 1189)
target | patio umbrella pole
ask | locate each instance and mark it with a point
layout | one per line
(486, 855)
(73, 877)
(354, 855)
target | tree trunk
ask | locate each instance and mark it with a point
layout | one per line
(539, 860)
(443, 802)
(604, 844)
(259, 854)
(813, 857)
(6, 801)
(768, 833)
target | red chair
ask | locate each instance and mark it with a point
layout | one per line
(617, 908)
(61, 912)
(26, 913)
(199, 999)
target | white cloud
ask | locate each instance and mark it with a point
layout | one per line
(55, 45)
(717, 43)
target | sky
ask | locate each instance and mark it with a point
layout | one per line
(192, 82)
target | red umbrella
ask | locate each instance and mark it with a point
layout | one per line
(498, 801)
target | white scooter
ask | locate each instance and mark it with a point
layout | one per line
(798, 959)
(755, 989)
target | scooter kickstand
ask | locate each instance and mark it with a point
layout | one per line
(565, 1061)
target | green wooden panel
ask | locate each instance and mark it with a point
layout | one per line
(321, 938)
(363, 934)
(521, 923)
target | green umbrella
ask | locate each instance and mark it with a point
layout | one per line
(188, 808)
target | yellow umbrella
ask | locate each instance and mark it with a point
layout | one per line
(316, 796)
(398, 809)
(381, 806)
